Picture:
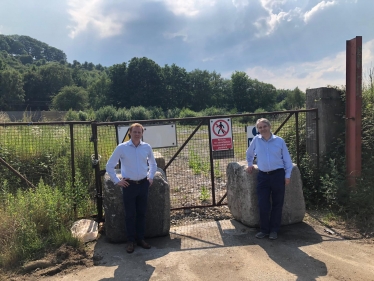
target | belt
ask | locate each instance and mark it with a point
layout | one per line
(138, 181)
(272, 172)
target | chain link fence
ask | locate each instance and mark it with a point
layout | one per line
(74, 154)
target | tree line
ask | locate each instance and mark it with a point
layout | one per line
(35, 76)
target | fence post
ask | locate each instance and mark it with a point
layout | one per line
(96, 166)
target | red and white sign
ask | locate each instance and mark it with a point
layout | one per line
(221, 134)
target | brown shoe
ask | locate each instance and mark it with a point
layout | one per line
(130, 247)
(144, 244)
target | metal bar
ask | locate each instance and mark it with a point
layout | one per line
(317, 140)
(195, 207)
(14, 171)
(353, 109)
(72, 164)
(223, 198)
(96, 166)
(212, 165)
(183, 145)
(284, 122)
(297, 140)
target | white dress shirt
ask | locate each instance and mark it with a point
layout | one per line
(134, 161)
(271, 154)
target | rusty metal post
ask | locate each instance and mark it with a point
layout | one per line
(353, 109)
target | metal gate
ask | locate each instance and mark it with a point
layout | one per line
(197, 175)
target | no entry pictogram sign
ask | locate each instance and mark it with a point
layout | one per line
(221, 134)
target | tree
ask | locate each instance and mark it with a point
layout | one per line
(11, 91)
(145, 83)
(295, 99)
(54, 77)
(98, 91)
(176, 84)
(34, 97)
(118, 93)
(242, 91)
(221, 91)
(200, 90)
(71, 97)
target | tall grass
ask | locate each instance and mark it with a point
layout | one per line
(34, 220)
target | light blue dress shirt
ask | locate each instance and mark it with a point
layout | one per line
(271, 154)
(134, 161)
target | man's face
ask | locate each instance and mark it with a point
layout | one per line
(136, 133)
(263, 129)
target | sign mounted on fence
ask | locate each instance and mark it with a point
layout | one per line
(157, 136)
(221, 134)
(251, 133)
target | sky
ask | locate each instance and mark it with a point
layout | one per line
(287, 43)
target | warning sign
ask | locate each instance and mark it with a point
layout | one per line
(221, 134)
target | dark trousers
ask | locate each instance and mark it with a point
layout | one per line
(272, 187)
(135, 198)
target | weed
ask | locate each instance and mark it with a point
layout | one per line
(197, 165)
(204, 193)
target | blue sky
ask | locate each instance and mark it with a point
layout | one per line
(288, 43)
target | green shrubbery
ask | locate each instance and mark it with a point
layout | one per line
(34, 220)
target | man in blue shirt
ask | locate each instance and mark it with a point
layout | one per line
(135, 155)
(275, 166)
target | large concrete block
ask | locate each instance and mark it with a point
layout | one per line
(158, 212)
(242, 195)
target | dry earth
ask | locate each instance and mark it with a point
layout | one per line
(67, 259)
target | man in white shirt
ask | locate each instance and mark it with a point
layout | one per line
(135, 156)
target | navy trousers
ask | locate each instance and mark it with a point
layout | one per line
(135, 198)
(270, 193)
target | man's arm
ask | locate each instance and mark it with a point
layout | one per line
(111, 165)
(152, 166)
(250, 155)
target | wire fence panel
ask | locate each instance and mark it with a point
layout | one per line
(74, 154)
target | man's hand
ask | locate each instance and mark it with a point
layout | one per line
(249, 169)
(287, 181)
(150, 181)
(123, 182)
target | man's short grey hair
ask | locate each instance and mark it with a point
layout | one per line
(264, 120)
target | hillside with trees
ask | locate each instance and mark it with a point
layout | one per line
(35, 76)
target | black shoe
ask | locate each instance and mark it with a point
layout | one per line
(130, 247)
(144, 244)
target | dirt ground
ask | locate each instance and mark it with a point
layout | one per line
(67, 259)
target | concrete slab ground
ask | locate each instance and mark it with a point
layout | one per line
(228, 250)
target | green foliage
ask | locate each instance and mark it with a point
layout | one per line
(106, 114)
(186, 112)
(70, 97)
(11, 91)
(211, 111)
(196, 163)
(204, 193)
(139, 113)
(72, 115)
(123, 114)
(34, 221)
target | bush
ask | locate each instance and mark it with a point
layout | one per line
(71, 115)
(123, 114)
(139, 113)
(106, 114)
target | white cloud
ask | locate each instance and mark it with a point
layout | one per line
(276, 15)
(87, 13)
(327, 71)
(240, 3)
(317, 8)
(181, 34)
(187, 7)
